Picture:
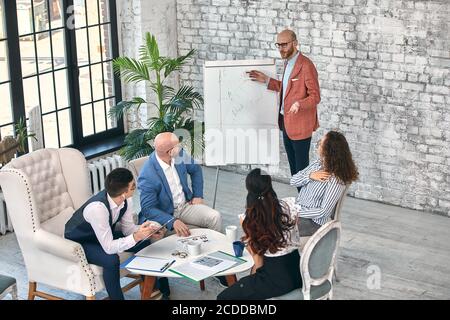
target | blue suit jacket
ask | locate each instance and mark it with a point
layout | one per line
(155, 195)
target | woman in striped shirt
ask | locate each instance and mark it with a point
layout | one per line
(322, 183)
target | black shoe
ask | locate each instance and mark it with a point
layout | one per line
(222, 281)
(165, 297)
(163, 286)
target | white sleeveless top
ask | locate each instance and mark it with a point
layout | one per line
(293, 241)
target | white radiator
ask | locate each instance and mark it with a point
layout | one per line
(99, 168)
(5, 222)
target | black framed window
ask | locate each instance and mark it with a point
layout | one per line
(6, 111)
(63, 51)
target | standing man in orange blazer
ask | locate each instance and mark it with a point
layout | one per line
(299, 97)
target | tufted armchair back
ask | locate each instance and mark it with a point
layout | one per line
(136, 165)
(47, 182)
(57, 181)
(42, 189)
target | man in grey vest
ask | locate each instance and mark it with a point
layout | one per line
(93, 225)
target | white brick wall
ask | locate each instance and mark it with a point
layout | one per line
(384, 75)
(137, 17)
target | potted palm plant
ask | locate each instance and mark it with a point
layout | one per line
(175, 108)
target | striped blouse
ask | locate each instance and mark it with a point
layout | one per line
(316, 199)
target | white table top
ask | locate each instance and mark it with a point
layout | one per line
(217, 241)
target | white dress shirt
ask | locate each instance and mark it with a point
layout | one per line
(173, 179)
(286, 75)
(97, 215)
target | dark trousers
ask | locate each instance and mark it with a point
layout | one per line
(110, 264)
(277, 276)
(297, 151)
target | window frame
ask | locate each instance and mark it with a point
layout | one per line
(16, 79)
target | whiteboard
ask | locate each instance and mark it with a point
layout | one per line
(241, 116)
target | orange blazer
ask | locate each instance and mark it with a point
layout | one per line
(303, 87)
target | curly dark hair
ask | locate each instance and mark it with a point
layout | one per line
(338, 158)
(266, 221)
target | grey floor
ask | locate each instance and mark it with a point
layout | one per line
(386, 252)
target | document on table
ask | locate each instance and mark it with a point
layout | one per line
(204, 267)
(147, 264)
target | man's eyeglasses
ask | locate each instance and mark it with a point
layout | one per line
(282, 44)
(175, 146)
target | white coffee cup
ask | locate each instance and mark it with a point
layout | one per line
(231, 233)
(194, 248)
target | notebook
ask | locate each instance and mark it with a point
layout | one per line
(207, 265)
(147, 264)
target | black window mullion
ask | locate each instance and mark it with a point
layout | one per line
(101, 62)
(53, 72)
(90, 67)
(73, 73)
(12, 32)
(50, 112)
(98, 100)
(115, 53)
(38, 78)
(95, 63)
(39, 32)
(92, 25)
(45, 72)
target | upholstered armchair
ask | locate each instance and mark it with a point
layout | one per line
(42, 189)
(136, 165)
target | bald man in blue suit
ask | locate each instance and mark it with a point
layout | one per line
(165, 193)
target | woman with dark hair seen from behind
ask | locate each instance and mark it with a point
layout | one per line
(322, 183)
(271, 237)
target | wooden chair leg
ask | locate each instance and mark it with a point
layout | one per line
(231, 279)
(335, 273)
(32, 290)
(202, 285)
(33, 293)
(14, 292)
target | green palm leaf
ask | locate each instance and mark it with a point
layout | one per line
(167, 93)
(118, 110)
(196, 141)
(136, 145)
(186, 99)
(149, 52)
(171, 65)
(130, 70)
(173, 106)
